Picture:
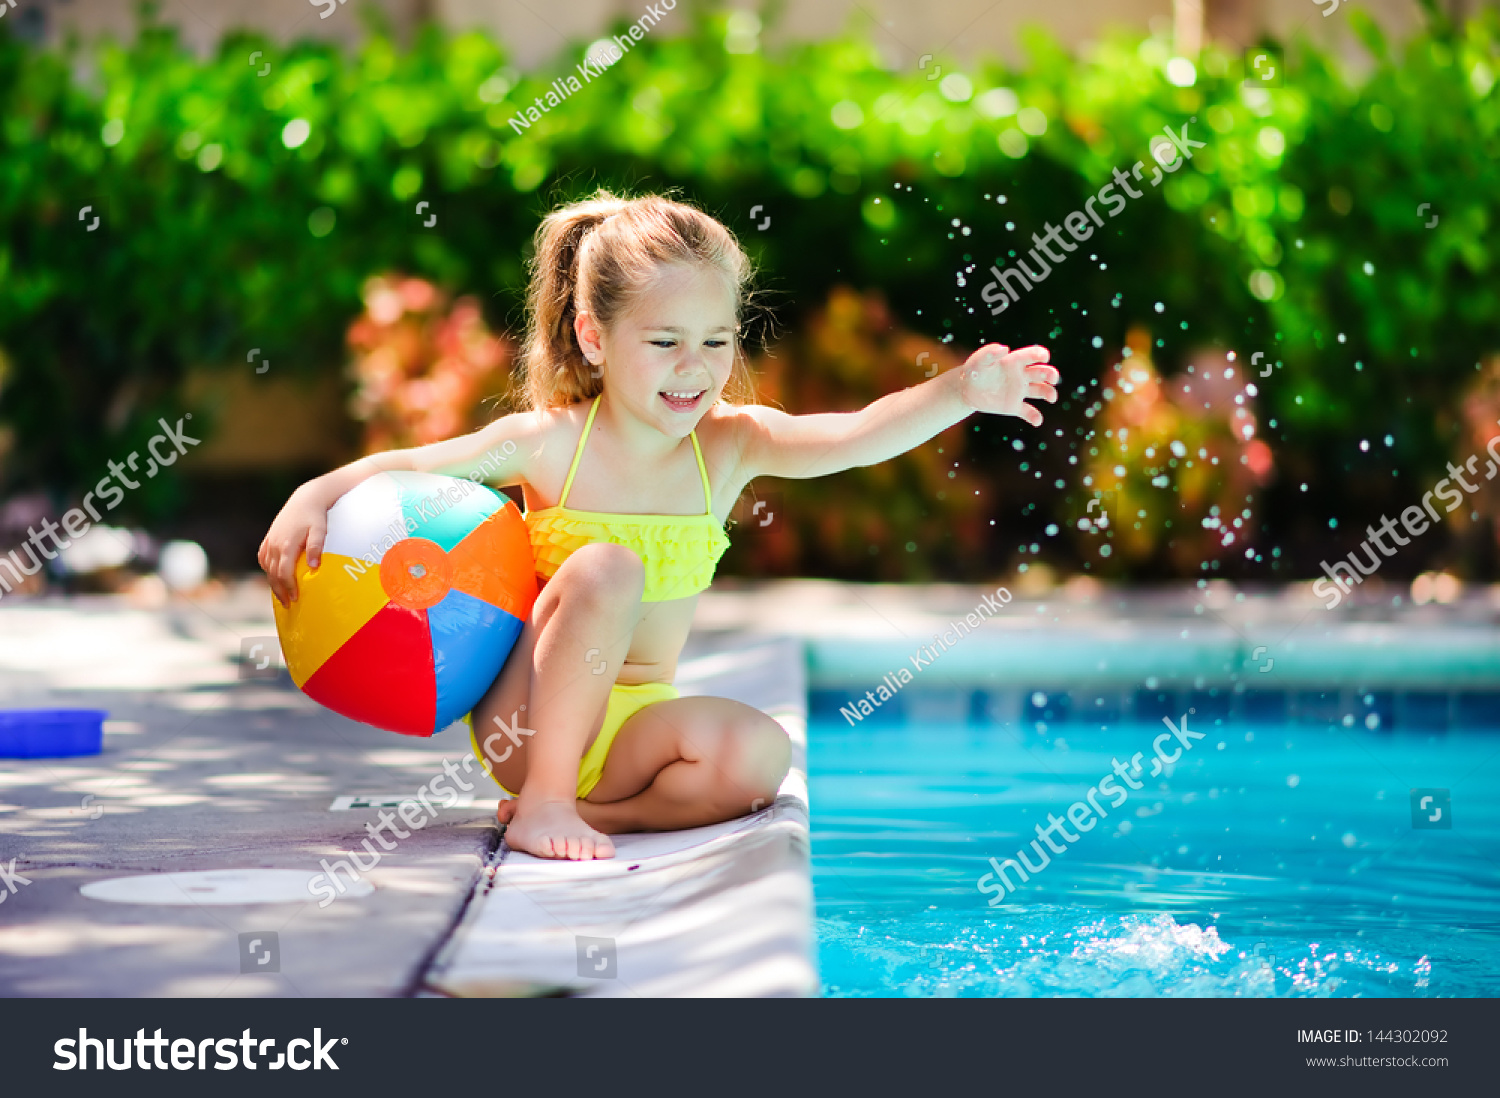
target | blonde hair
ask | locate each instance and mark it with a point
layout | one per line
(599, 255)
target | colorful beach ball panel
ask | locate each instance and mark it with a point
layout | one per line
(406, 633)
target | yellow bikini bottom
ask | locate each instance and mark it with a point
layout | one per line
(625, 701)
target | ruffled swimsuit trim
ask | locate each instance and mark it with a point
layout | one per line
(680, 552)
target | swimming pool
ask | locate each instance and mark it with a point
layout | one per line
(1272, 859)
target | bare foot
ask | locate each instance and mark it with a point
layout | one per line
(553, 829)
(506, 811)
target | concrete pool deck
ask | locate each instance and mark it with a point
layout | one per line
(204, 770)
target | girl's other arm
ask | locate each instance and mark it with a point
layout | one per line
(994, 379)
(498, 451)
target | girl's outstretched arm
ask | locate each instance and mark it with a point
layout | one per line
(500, 448)
(993, 379)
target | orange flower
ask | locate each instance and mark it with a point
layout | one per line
(421, 367)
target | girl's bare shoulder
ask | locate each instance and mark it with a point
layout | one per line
(540, 429)
(728, 418)
(738, 425)
(548, 437)
(547, 425)
(727, 431)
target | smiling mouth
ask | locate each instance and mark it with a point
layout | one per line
(682, 400)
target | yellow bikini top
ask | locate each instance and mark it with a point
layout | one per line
(680, 552)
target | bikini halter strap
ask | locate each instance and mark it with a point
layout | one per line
(578, 451)
(708, 496)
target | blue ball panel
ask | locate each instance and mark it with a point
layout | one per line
(470, 642)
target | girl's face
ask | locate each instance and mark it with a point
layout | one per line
(668, 357)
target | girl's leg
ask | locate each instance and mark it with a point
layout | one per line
(547, 705)
(688, 762)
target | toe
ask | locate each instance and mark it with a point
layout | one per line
(603, 848)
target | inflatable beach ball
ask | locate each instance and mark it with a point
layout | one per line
(423, 588)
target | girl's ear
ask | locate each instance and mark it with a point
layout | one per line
(588, 338)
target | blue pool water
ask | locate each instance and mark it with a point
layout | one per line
(1270, 860)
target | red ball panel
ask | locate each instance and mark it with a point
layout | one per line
(383, 674)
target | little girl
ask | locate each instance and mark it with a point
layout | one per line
(630, 459)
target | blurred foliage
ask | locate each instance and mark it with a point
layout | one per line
(1176, 464)
(241, 210)
(1481, 441)
(918, 517)
(422, 367)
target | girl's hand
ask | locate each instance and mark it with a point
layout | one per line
(999, 380)
(302, 523)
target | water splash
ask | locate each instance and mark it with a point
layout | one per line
(1045, 951)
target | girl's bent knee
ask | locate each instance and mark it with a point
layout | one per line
(604, 571)
(761, 760)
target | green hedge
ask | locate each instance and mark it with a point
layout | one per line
(1294, 230)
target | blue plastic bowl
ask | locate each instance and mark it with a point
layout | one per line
(51, 733)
